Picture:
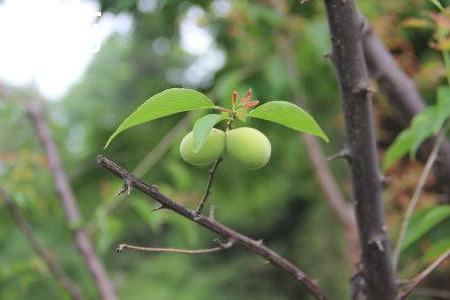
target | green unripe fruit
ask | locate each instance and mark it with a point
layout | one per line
(211, 150)
(248, 147)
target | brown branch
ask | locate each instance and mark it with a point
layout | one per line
(425, 273)
(23, 225)
(347, 55)
(212, 171)
(68, 202)
(329, 187)
(214, 226)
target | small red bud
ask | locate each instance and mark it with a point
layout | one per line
(251, 104)
(247, 96)
(235, 95)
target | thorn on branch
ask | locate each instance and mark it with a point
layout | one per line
(305, 1)
(344, 153)
(126, 187)
(377, 241)
(362, 89)
(212, 210)
(372, 88)
(159, 207)
(386, 181)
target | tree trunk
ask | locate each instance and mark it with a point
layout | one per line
(348, 57)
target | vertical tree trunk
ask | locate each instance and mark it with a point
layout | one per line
(348, 58)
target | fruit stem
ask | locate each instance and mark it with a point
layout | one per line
(212, 171)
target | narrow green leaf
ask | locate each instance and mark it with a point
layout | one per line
(166, 103)
(203, 126)
(437, 4)
(443, 103)
(289, 115)
(398, 149)
(423, 221)
(422, 127)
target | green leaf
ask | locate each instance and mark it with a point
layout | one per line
(423, 221)
(203, 126)
(166, 103)
(398, 149)
(289, 115)
(443, 103)
(422, 126)
(436, 250)
(437, 4)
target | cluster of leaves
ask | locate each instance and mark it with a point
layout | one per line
(424, 125)
(177, 100)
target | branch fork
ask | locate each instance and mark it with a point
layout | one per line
(126, 188)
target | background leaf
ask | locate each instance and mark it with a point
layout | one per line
(289, 115)
(422, 127)
(203, 126)
(166, 103)
(423, 221)
(436, 250)
(438, 4)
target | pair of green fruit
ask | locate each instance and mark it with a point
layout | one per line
(246, 146)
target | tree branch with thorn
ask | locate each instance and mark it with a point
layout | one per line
(216, 227)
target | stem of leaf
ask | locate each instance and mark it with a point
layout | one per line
(417, 192)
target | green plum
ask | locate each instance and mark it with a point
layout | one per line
(248, 147)
(211, 150)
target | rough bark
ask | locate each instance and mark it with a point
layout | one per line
(348, 57)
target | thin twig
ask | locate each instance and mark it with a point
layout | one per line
(212, 171)
(69, 203)
(416, 196)
(424, 274)
(344, 153)
(121, 247)
(214, 226)
(23, 225)
(432, 292)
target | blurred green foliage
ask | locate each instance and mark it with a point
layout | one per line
(280, 203)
